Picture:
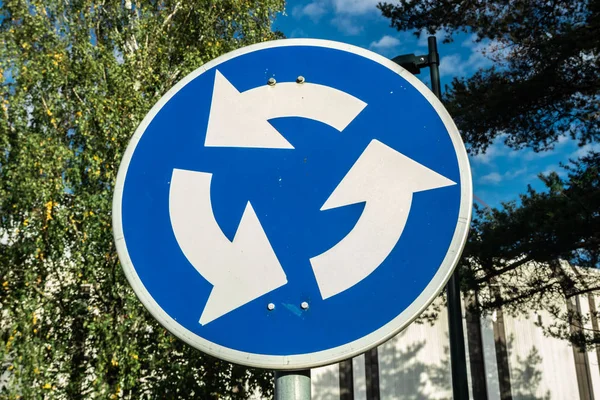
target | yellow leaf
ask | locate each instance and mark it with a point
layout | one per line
(5, 284)
(47, 386)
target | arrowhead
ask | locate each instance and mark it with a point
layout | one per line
(386, 180)
(249, 270)
(382, 174)
(234, 122)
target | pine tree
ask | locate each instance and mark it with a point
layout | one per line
(544, 85)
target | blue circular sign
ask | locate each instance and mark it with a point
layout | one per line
(292, 204)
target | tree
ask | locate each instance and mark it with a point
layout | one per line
(544, 84)
(513, 256)
(76, 78)
(546, 56)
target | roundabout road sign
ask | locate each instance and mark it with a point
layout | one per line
(292, 204)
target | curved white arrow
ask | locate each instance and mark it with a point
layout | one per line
(240, 119)
(386, 180)
(240, 271)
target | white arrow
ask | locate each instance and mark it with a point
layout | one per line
(240, 119)
(386, 180)
(240, 271)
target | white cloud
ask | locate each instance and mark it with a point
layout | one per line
(583, 151)
(489, 49)
(317, 8)
(530, 154)
(485, 158)
(343, 14)
(452, 65)
(495, 178)
(385, 42)
(314, 10)
(563, 140)
(439, 35)
(554, 168)
(298, 33)
(514, 174)
(355, 7)
(346, 26)
(456, 65)
(495, 150)
(491, 178)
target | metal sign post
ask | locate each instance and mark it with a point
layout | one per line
(292, 385)
(458, 359)
(268, 213)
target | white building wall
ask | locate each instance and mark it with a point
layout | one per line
(325, 382)
(540, 367)
(416, 363)
(360, 381)
(592, 355)
(489, 357)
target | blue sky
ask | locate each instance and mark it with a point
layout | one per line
(498, 175)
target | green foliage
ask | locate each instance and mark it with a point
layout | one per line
(76, 78)
(520, 244)
(544, 85)
(546, 80)
(559, 223)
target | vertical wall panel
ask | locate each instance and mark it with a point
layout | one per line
(325, 383)
(471, 349)
(539, 366)
(582, 367)
(502, 355)
(372, 374)
(592, 355)
(416, 363)
(489, 357)
(360, 383)
(346, 372)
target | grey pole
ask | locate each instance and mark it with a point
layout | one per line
(292, 385)
(458, 360)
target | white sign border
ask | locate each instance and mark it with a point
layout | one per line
(345, 351)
